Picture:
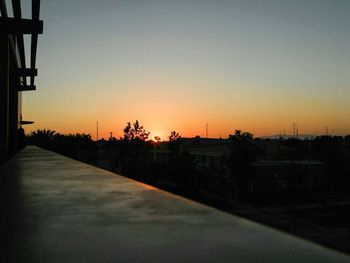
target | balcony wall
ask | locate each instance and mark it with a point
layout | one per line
(55, 209)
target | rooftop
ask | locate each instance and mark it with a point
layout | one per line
(61, 210)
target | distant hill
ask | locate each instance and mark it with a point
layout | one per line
(300, 136)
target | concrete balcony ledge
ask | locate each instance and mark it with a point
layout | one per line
(61, 210)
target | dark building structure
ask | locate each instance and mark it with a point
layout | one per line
(15, 76)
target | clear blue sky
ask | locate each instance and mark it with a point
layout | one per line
(251, 65)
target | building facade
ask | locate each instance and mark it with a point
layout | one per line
(15, 75)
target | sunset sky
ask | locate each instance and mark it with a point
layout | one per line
(177, 65)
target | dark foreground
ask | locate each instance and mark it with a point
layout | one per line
(55, 209)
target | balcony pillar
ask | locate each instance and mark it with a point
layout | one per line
(4, 97)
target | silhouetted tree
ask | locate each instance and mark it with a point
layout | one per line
(242, 154)
(328, 149)
(41, 138)
(174, 144)
(77, 146)
(299, 148)
(135, 132)
(134, 149)
(174, 136)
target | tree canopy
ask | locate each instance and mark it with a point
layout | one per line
(135, 132)
(174, 136)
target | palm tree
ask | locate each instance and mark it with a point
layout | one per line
(41, 137)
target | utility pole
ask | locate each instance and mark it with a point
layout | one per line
(206, 130)
(97, 131)
(111, 133)
(297, 130)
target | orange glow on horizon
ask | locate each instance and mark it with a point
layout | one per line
(192, 131)
(179, 74)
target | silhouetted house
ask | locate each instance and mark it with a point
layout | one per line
(162, 156)
(269, 174)
(268, 148)
(15, 76)
(212, 156)
(345, 153)
(207, 153)
(280, 149)
(276, 176)
(161, 152)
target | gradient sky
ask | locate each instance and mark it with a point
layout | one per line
(177, 65)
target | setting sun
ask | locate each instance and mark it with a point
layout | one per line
(157, 136)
